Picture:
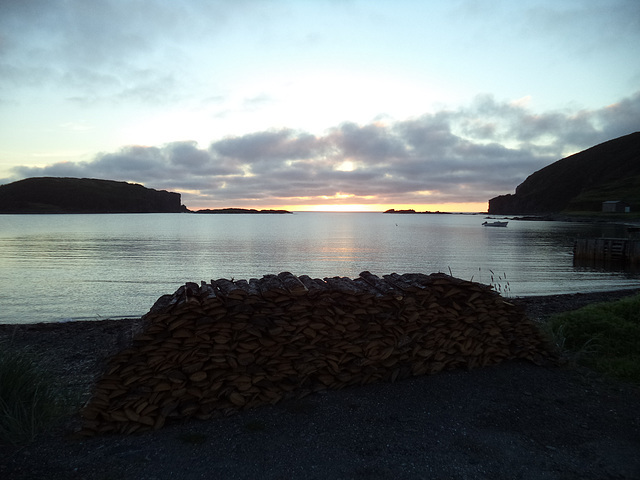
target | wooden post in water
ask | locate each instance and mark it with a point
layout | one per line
(607, 250)
(632, 252)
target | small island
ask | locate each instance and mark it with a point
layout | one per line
(239, 210)
(412, 211)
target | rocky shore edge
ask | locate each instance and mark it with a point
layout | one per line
(514, 420)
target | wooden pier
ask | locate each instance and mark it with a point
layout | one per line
(618, 250)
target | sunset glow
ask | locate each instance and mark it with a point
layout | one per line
(451, 207)
(317, 105)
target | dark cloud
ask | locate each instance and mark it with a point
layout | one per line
(275, 146)
(467, 155)
(368, 144)
(555, 131)
(623, 116)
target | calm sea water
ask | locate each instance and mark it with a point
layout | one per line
(62, 267)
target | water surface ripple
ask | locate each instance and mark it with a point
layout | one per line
(58, 267)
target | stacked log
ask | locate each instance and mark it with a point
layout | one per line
(215, 348)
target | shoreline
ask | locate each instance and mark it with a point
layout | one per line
(589, 296)
(77, 351)
(512, 420)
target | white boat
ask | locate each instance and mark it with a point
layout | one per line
(495, 224)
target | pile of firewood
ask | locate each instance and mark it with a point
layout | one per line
(214, 348)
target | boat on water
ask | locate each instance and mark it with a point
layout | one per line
(495, 224)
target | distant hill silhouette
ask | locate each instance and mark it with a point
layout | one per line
(580, 182)
(84, 195)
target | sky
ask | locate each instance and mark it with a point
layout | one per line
(314, 104)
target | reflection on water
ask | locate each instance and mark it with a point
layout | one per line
(95, 266)
(592, 265)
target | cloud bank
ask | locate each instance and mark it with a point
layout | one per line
(466, 155)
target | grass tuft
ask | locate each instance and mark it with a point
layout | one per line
(500, 284)
(603, 336)
(30, 401)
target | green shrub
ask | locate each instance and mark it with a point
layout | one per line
(603, 336)
(29, 398)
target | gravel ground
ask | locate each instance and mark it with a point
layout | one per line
(512, 421)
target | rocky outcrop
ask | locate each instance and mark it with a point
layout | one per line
(85, 195)
(240, 211)
(552, 189)
(215, 348)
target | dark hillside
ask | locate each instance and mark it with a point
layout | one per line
(84, 195)
(626, 189)
(583, 180)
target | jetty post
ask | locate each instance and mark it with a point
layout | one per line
(606, 250)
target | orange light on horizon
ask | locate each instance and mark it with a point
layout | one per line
(444, 207)
(466, 207)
